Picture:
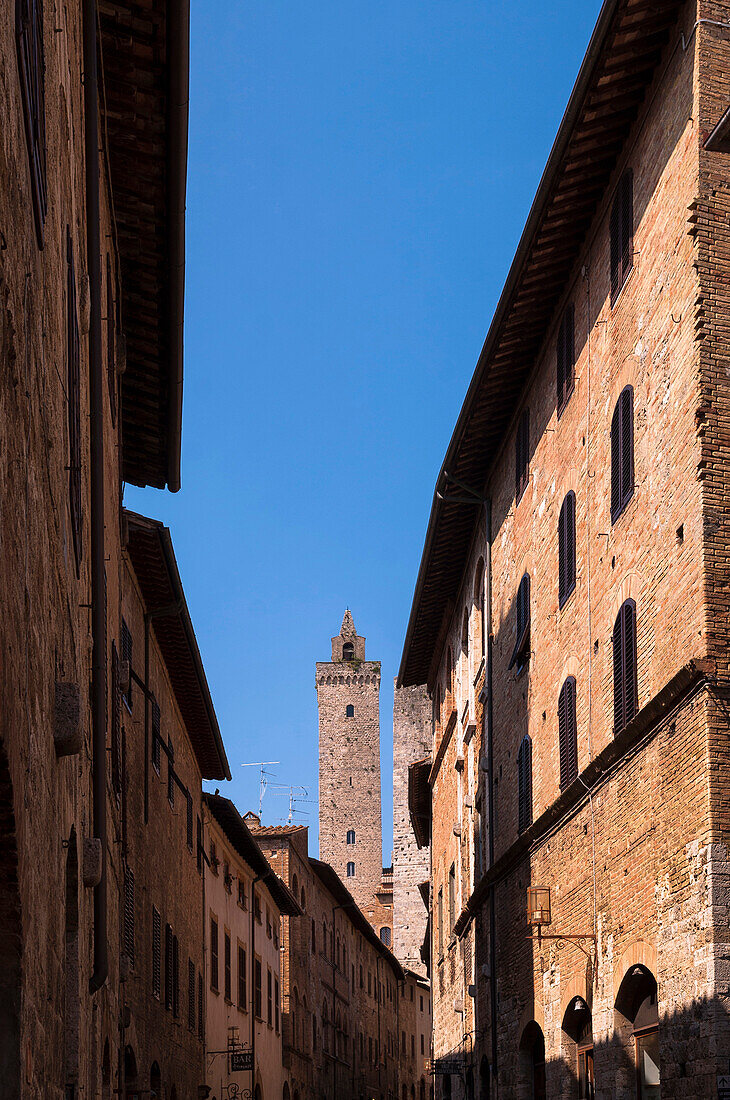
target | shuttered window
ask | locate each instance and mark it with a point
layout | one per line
(521, 651)
(276, 1013)
(566, 358)
(189, 823)
(226, 966)
(625, 689)
(622, 233)
(213, 953)
(73, 397)
(111, 336)
(241, 977)
(269, 997)
(129, 914)
(127, 657)
(191, 994)
(566, 548)
(175, 977)
(156, 949)
(257, 993)
(524, 784)
(452, 898)
(170, 772)
(522, 454)
(29, 44)
(116, 760)
(168, 966)
(156, 735)
(201, 1028)
(568, 733)
(622, 452)
(199, 838)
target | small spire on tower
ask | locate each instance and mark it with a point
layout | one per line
(347, 630)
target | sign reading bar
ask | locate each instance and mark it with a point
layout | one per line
(241, 1060)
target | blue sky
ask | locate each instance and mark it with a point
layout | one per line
(359, 177)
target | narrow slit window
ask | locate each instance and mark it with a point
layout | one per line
(622, 452)
(522, 454)
(568, 733)
(521, 651)
(566, 549)
(622, 233)
(625, 690)
(566, 357)
(351, 870)
(524, 785)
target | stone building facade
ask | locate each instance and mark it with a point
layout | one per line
(244, 901)
(350, 823)
(90, 389)
(414, 1021)
(575, 645)
(341, 986)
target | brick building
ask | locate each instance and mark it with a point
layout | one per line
(244, 901)
(414, 1022)
(90, 392)
(350, 822)
(164, 739)
(570, 614)
(341, 986)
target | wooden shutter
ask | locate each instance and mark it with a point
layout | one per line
(170, 772)
(189, 799)
(566, 548)
(29, 45)
(201, 1029)
(156, 951)
(73, 398)
(242, 976)
(522, 453)
(191, 994)
(621, 229)
(129, 914)
(214, 952)
(566, 357)
(156, 735)
(614, 231)
(622, 452)
(199, 839)
(227, 966)
(116, 760)
(524, 785)
(625, 694)
(168, 966)
(175, 976)
(127, 656)
(523, 622)
(567, 733)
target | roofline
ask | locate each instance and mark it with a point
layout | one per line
(184, 614)
(542, 196)
(229, 820)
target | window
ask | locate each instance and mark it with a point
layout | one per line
(348, 651)
(625, 694)
(269, 997)
(127, 659)
(257, 907)
(524, 784)
(566, 549)
(350, 870)
(175, 977)
(214, 954)
(268, 923)
(189, 820)
(452, 898)
(156, 951)
(73, 397)
(129, 915)
(156, 736)
(227, 878)
(213, 858)
(522, 454)
(521, 652)
(276, 1008)
(111, 328)
(191, 994)
(441, 920)
(29, 43)
(170, 772)
(199, 839)
(622, 453)
(241, 977)
(116, 760)
(350, 836)
(385, 936)
(242, 893)
(168, 966)
(567, 733)
(622, 233)
(566, 358)
(201, 1029)
(227, 966)
(314, 937)
(257, 988)
(480, 638)
(349, 711)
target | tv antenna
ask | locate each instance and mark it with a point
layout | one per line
(265, 776)
(297, 793)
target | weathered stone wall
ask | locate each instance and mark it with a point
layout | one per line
(412, 732)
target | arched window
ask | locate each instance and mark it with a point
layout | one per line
(566, 549)
(625, 692)
(385, 935)
(348, 651)
(532, 1061)
(295, 1020)
(622, 452)
(621, 231)
(577, 1025)
(350, 870)
(566, 357)
(325, 1029)
(568, 733)
(350, 836)
(522, 454)
(479, 634)
(155, 1082)
(637, 1025)
(521, 652)
(349, 711)
(524, 784)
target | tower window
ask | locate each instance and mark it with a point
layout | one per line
(350, 836)
(625, 702)
(566, 549)
(566, 358)
(348, 651)
(622, 452)
(350, 870)
(521, 651)
(567, 733)
(524, 784)
(622, 234)
(349, 711)
(385, 936)
(522, 454)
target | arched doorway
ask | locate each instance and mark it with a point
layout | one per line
(637, 1022)
(11, 942)
(578, 1027)
(155, 1082)
(131, 1083)
(285, 1094)
(484, 1083)
(532, 1061)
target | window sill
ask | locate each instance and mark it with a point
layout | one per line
(624, 507)
(625, 283)
(566, 598)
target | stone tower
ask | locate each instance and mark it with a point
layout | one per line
(350, 828)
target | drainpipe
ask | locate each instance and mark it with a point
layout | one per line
(489, 715)
(96, 473)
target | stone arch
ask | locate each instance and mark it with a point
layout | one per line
(155, 1081)
(130, 1066)
(11, 941)
(629, 589)
(532, 1062)
(571, 667)
(577, 986)
(636, 953)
